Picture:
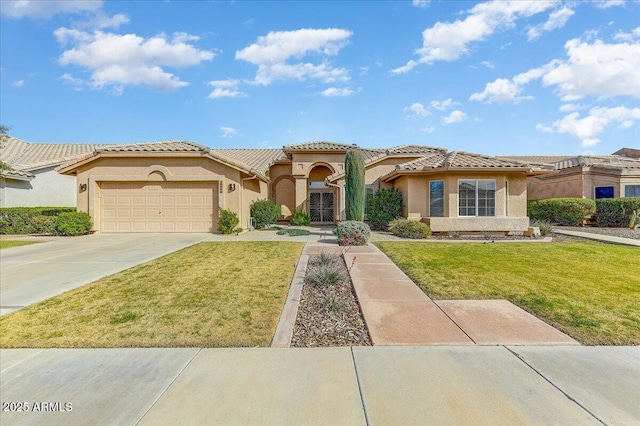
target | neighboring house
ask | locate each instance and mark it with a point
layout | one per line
(585, 176)
(33, 180)
(179, 186)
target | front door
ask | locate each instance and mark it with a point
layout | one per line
(321, 206)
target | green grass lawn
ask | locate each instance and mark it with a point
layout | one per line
(5, 244)
(589, 290)
(218, 294)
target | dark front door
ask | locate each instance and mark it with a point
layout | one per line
(321, 206)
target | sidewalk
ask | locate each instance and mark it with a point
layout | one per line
(599, 237)
(339, 386)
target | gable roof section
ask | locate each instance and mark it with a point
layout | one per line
(628, 152)
(598, 161)
(257, 159)
(161, 146)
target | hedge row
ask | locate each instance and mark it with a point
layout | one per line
(616, 211)
(563, 211)
(43, 220)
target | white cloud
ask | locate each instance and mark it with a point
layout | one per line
(557, 19)
(225, 89)
(443, 105)
(18, 83)
(228, 132)
(121, 60)
(543, 128)
(501, 90)
(449, 41)
(272, 52)
(430, 129)
(633, 35)
(590, 127)
(456, 116)
(420, 3)
(418, 109)
(333, 92)
(46, 9)
(77, 83)
(605, 4)
(488, 64)
(570, 107)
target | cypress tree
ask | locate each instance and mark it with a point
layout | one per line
(354, 188)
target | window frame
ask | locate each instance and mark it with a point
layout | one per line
(477, 205)
(595, 192)
(637, 189)
(431, 198)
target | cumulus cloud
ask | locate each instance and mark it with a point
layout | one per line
(501, 90)
(417, 109)
(570, 107)
(605, 4)
(46, 9)
(120, 60)
(557, 19)
(590, 127)
(228, 132)
(225, 89)
(279, 55)
(420, 3)
(633, 35)
(456, 116)
(443, 105)
(448, 41)
(333, 92)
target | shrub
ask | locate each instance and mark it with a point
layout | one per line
(22, 220)
(73, 223)
(292, 232)
(265, 212)
(354, 185)
(323, 259)
(455, 234)
(544, 226)
(563, 211)
(634, 220)
(616, 211)
(406, 228)
(300, 218)
(352, 233)
(325, 276)
(383, 207)
(228, 222)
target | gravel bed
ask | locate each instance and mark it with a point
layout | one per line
(614, 232)
(388, 236)
(329, 315)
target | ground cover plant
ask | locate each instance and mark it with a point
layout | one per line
(589, 290)
(5, 244)
(214, 294)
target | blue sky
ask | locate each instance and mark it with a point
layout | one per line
(497, 77)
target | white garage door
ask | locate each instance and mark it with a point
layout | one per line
(159, 206)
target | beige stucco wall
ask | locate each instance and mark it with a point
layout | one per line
(48, 188)
(580, 182)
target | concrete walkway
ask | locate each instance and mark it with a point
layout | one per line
(479, 385)
(599, 237)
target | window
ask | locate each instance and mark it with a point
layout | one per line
(368, 194)
(632, 191)
(436, 198)
(316, 184)
(604, 192)
(477, 197)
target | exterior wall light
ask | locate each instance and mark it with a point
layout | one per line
(83, 187)
(232, 187)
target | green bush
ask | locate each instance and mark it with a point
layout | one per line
(615, 211)
(383, 207)
(265, 212)
(73, 223)
(352, 233)
(29, 220)
(354, 185)
(300, 218)
(228, 222)
(563, 211)
(413, 229)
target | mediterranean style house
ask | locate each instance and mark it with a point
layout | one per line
(180, 186)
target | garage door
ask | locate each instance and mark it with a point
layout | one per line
(159, 206)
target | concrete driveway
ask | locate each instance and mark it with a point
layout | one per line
(37, 272)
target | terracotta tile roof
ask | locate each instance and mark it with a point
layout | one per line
(256, 159)
(598, 161)
(414, 149)
(319, 146)
(460, 160)
(628, 152)
(536, 159)
(11, 148)
(23, 155)
(161, 146)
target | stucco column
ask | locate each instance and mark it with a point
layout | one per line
(301, 193)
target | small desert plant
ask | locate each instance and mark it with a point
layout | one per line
(352, 233)
(228, 223)
(332, 304)
(323, 259)
(383, 207)
(544, 226)
(455, 234)
(413, 229)
(73, 223)
(300, 218)
(325, 276)
(634, 220)
(265, 212)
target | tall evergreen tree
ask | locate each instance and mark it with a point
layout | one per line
(354, 188)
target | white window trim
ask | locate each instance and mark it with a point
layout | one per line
(495, 191)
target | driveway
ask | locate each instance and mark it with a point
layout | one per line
(37, 272)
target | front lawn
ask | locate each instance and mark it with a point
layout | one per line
(589, 290)
(218, 294)
(5, 244)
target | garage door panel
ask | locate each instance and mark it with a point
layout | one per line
(159, 207)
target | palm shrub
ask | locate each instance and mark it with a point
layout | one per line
(413, 229)
(354, 185)
(73, 223)
(383, 207)
(300, 218)
(265, 212)
(352, 233)
(228, 222)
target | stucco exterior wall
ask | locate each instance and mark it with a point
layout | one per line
(48, 188)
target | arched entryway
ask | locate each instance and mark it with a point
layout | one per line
(285, 196)
(322, 199)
